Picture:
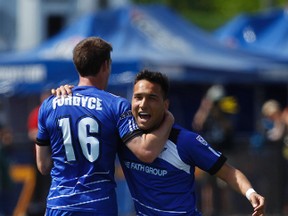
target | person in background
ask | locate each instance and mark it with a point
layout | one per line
(272, 111)
(276, 140)
(6, 185)
(78, 137)
(214, 120)
(166, 186)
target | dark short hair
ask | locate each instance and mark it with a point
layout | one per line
(155, 77)
(89, 54)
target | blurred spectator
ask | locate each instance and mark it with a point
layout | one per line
(285, 147)
(38, 204)
(5, 181)
(214, 120)
(276, 140)
(274, 125)
(16, 184)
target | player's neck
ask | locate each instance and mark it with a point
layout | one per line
(91, 81)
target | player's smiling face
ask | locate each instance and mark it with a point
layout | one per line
(148, 105)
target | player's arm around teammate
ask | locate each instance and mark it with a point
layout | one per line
(239, 182)
(146, 147)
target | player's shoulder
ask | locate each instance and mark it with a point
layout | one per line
(117, 101)
(116, 104)
(183, 131)
(47, 101)
(95, 92)
(180, 133)
(185, 137)
(117, 97)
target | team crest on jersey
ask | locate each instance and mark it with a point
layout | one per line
(126, 114)
(201, 140)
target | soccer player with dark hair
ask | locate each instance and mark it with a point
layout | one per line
(167, 186)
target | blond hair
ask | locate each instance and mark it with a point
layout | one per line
(271, 107)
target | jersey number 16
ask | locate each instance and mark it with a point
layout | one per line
(89, 144)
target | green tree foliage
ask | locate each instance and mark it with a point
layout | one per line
(211, 14)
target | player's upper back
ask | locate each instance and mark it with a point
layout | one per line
(89, 124)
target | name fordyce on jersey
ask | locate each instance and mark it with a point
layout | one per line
(83, 101)
(145, 168)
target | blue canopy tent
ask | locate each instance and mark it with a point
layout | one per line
(264, 33)
(151, 36)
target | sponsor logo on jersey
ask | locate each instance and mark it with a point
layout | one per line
(144, 168)
(202, 140)
(126, 114)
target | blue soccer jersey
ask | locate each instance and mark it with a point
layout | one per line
(84, 132)
(167, 186)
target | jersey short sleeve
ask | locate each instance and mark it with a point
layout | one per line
(126, 123)
(43, 138)
(198, 152)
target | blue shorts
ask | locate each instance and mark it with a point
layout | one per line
(56, 212)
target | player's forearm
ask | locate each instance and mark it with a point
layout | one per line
(152, 143)
(242, 184)
(239, 182)
(44, 167)
(234, 178)
(43, 160)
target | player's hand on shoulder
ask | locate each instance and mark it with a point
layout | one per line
(63, 90)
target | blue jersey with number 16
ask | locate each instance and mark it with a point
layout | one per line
(84, 132)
